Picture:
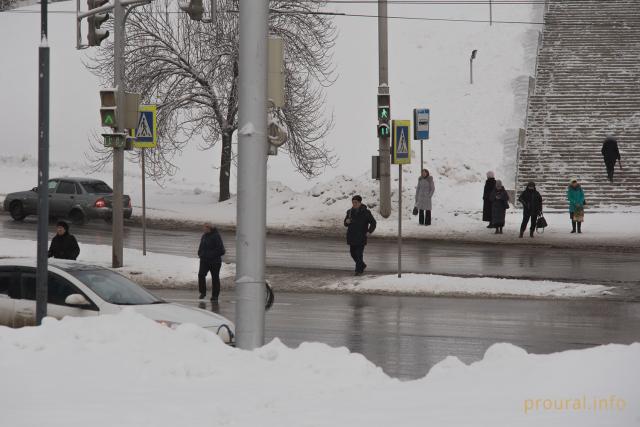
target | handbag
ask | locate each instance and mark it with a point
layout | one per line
(541, 223)
(415, 210)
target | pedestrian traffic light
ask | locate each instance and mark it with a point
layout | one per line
(384, 113)
(193, 8)
(95, 34)
(384, 131)
(108, 107)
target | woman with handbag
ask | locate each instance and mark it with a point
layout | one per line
(531, 208)
(575, 197)
(424, 194)
(499, 204)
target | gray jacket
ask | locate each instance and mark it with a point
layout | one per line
(424, 193)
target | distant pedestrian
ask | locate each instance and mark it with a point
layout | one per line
(64, 245)
(359, 222)
(531, 208)
(499, 204)
(575, 197)
(210, 252)
(611, 155)
(489, 186)
(424, 194)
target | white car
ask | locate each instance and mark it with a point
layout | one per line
(78, 289)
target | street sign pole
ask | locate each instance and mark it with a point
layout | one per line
(43, 168)
(383, 87)
(144, 207)
(421, 155)
(400, 220)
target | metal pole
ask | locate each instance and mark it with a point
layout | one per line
(383, 85)
(421, 155)
(43, 168)
(252, 175)
(490, 12)
(144, 207)
(399, 220)
(118, 152)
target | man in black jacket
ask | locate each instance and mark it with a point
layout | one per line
(63, 244)
(611, 154)
(210, 253)
(531, 208)
(359, 222)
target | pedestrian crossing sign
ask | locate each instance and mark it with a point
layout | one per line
(401, 152)
(146, 132)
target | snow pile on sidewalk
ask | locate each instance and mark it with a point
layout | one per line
(155, 270)
(128, 371)
(432, 284)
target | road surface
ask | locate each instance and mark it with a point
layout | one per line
(331, 253)
(406, 336)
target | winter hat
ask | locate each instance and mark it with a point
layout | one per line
(610, 134)
(573, 180)
(357, 197)
(491, 174)
(64, 225)
(531, 184)
(498, 183)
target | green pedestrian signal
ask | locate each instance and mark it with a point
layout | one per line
(108, 119)
(384, 131)
(383, 113)
(108, 107)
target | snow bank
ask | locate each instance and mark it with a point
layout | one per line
(126, 370)
(158, 270)
(448, 285)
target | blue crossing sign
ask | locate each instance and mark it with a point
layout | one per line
(401, 153)
(146, 132)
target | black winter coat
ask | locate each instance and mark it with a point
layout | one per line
(211, 247)
(489, 186)
(531, 202)
(64, 247)
(362, 222)
(610, 150)
(499, 205)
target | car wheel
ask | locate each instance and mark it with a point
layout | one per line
(77, 217)
(17, 210)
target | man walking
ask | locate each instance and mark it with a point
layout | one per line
(611, 154)
(210, 252)
(64, 245)
(359, 222)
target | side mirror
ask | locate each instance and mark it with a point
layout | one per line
(76, 300)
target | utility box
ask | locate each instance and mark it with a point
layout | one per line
(375, 167)
(132, 103)
(276, 80)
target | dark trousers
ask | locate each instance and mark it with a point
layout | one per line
(357, 253)
(424, 217)
(610, 168)
(526, 217)
(214, 268)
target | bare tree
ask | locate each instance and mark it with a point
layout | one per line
(190, 69)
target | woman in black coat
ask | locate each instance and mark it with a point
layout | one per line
(499, 203)
(531, 208)
(489, 186)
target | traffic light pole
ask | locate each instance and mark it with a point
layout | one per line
(43, 168)
(383, 88)
(117, 207)
(252, 175)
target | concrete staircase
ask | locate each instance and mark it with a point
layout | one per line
(587, 83)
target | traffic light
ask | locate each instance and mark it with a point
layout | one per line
(193, 8)
(108, 107)
(95, 34)
(384, 115)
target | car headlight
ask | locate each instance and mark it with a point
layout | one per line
(226, 334)
(168, 323)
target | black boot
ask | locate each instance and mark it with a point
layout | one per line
(579, 227)
(531, 232)
(573, 227)
(521, 234)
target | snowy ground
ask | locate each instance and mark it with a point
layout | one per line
(67, 372)
(170, 271)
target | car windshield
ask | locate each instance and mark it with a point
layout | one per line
(97, 187)
(114, 288)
